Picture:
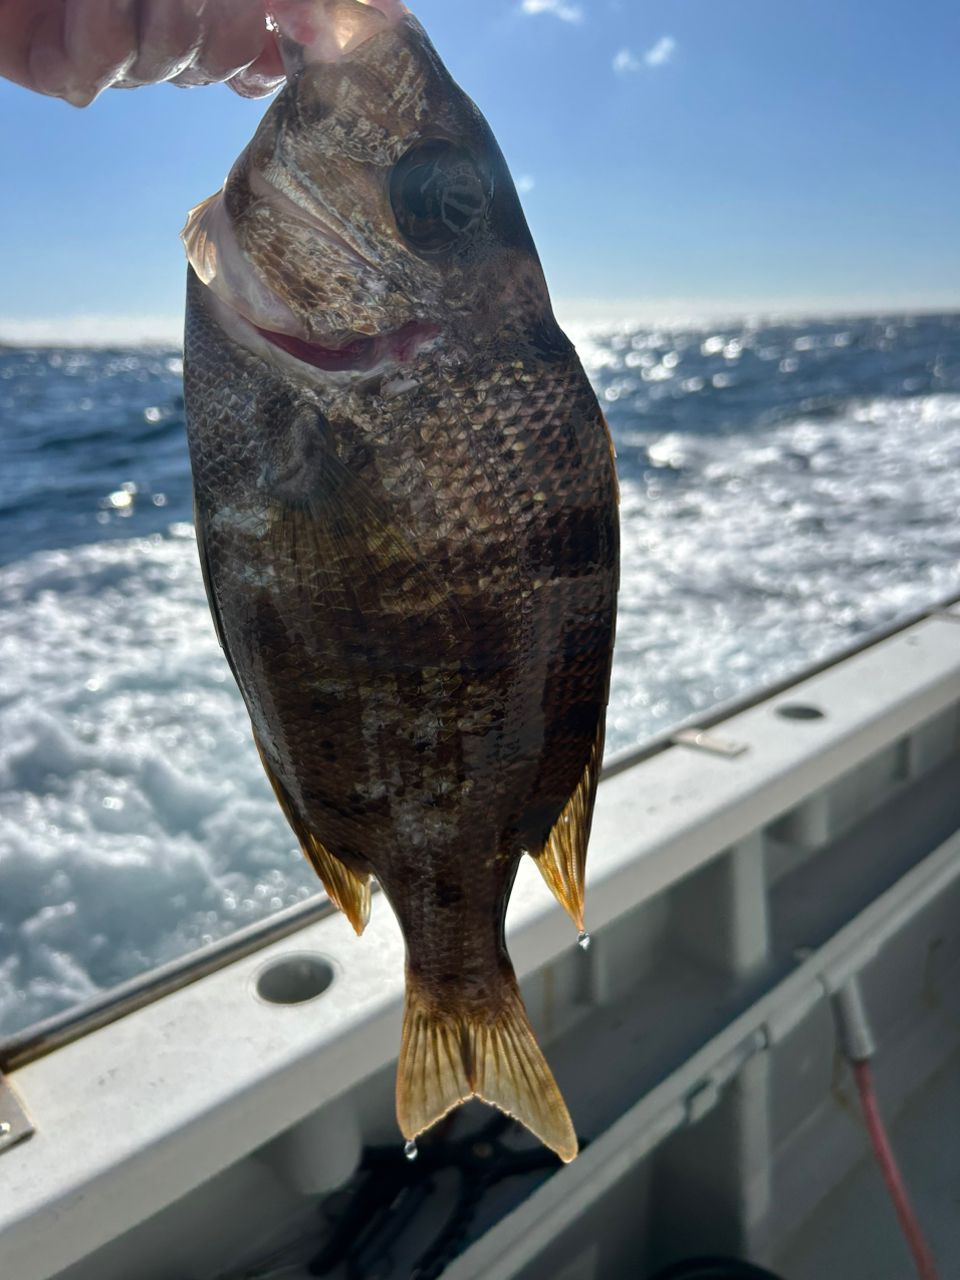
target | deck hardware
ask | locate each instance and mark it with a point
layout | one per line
(853, 1025)
(702, 1099)
(15, 1125)
(701, 740)
(294, 979)
(800, 711)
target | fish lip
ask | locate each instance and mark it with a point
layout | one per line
(357, 352)
(353, 355)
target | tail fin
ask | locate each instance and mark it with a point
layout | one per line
(448, 1056)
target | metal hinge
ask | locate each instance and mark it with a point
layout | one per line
(15, 1124)
(704, 741)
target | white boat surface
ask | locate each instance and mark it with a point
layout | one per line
(231, 1117)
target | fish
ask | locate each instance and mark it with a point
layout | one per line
(407, 518)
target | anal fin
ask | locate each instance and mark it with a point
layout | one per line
(449, 1055)
(346, 889)
(563, 859)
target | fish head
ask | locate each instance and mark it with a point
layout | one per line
(373, 214)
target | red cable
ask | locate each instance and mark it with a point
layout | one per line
(923, 1258)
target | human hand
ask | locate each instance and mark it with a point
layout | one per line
(74, 49)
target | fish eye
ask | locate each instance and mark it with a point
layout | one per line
(439, 195)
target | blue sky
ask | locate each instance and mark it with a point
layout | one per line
(685, 155)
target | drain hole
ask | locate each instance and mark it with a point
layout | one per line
(294, 979)
(800, 711)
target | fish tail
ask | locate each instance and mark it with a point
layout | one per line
(451, 1054)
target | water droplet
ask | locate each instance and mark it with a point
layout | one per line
(410, 1149)
(583, 941)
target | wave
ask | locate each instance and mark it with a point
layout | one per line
(136, 823)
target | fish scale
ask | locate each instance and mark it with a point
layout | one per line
(410, 548)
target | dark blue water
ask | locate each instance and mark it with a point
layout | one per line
(76, 426)
(748, 379)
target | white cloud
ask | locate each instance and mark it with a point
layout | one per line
(660, 53)
(626, 62)
(525, 183)
(561, 9)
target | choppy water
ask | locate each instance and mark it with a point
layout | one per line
(785, 489)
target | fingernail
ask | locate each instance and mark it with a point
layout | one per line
(255, 86)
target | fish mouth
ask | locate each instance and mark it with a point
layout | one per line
(357, 352)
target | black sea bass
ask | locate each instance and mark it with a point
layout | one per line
(407, 514)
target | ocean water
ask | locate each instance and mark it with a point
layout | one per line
(786, 489)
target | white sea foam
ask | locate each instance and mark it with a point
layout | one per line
(747, 557)
(135, 820)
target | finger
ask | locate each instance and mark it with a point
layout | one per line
(270, 62)
(170, 37)
(233, 35)
(20, 27)
(91, 47)
(324, 32)
(263, 76)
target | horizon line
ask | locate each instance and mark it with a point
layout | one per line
(94, 330)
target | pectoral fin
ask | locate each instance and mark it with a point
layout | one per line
(563, 859)
(328, 519)
(345, 889)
